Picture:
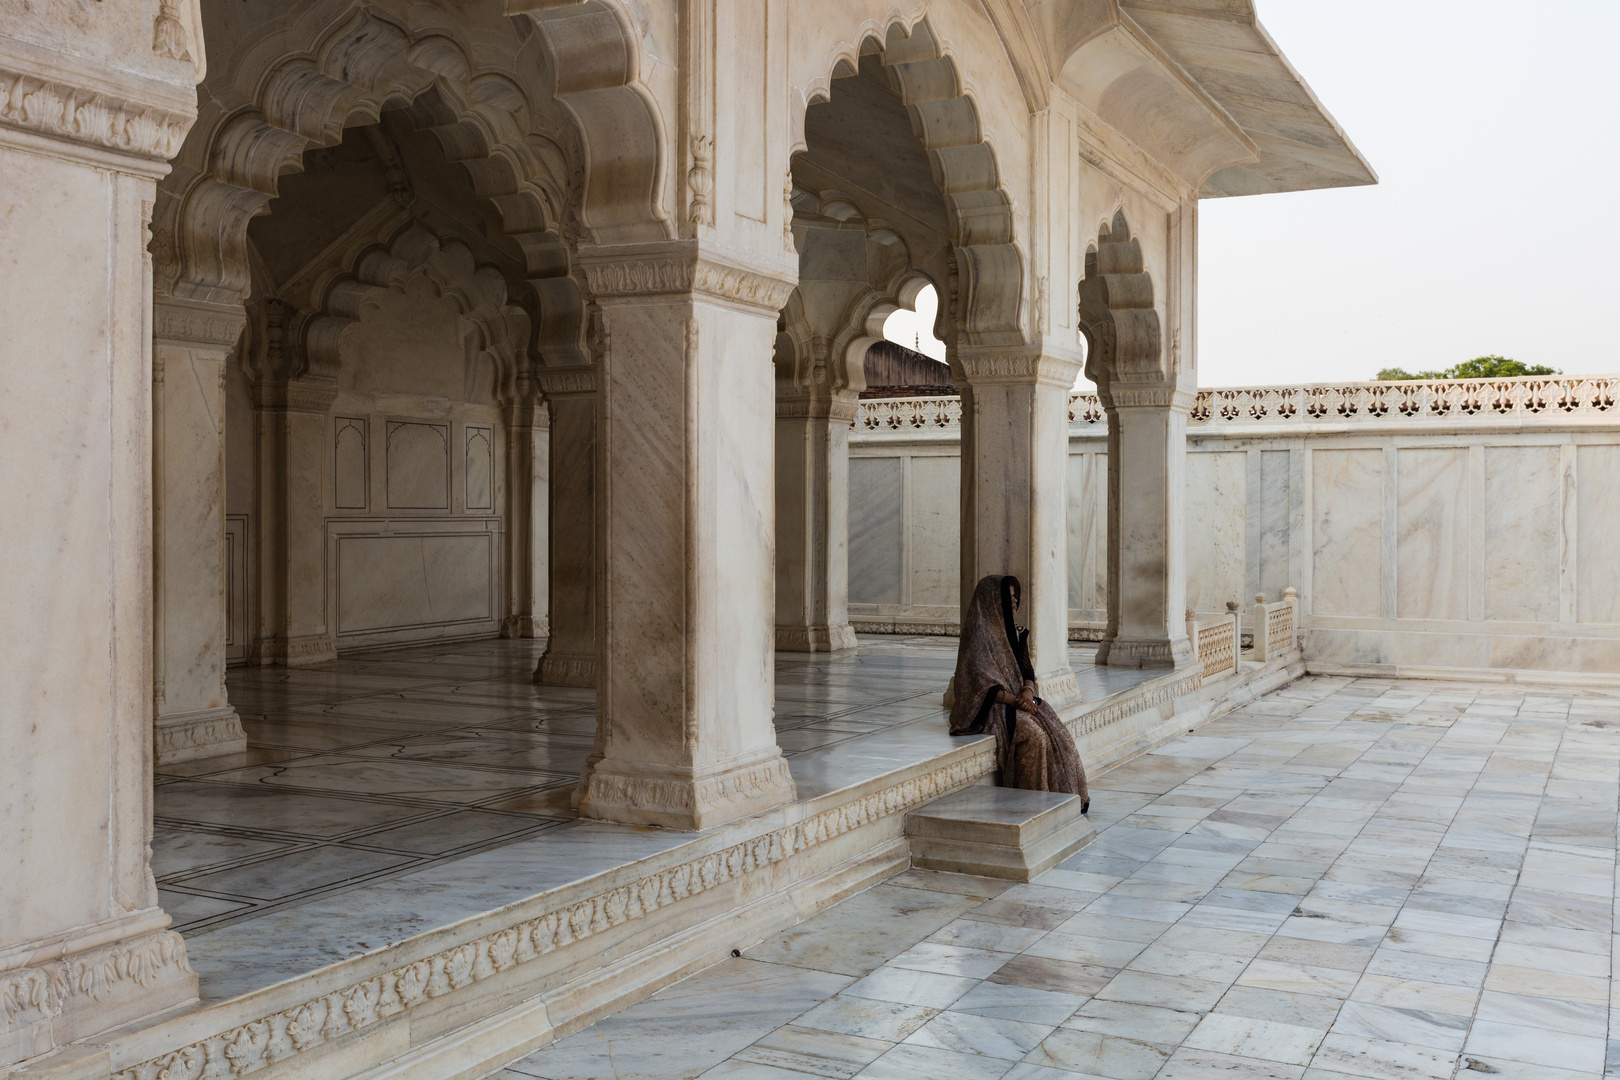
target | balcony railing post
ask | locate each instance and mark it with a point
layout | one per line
(1262, 629)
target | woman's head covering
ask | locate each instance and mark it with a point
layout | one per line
(985, 660)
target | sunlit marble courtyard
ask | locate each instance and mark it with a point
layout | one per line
(1345, 878)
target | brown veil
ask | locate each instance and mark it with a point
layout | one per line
(1034, 751)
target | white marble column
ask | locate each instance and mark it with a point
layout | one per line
(570, 657)
(1147, 574)
(192, 343)
(1015, 464)
(685, 683)
(528, 480)
(292, 466)
(84, 946)
(812, 518)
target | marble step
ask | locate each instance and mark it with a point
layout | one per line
(997, 832)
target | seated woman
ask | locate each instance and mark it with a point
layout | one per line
(995, 692)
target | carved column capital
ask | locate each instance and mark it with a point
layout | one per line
(101, 112)
(678, 267)
(985, 364)
(566, 381)
(293, 397)
(177, 321)
(1125, 396)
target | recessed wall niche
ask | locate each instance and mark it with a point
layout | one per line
(418, 466)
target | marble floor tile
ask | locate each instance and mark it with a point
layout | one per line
(909, 1061)
(1383, 1060)
(1058, 976)
(819, 1053)
(297, 874)
(177, 850)
(1146, 1023)
(1246, 1037)
(855, 937)
(1282, 1006)
(1489, 1038)
(1009, 1001)
(1298, 978)
(988, 1036)
(1165, 991)
(951, 960)
(1190, 1064)
(907, 986)
(1092, 1053)
(870, 1018)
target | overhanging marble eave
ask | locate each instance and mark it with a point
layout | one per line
(1228, 53)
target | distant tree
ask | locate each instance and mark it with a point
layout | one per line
(1481, 367)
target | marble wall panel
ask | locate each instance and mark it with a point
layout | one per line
(480, 468)
(876, 529)
(1088, 532)
(418, 460)
(393, 582)
(1597, 525)
(1431, 543)
(1271, 537)
(1522, 532)
(1217, 507)
(936, 530)
(1347, 549)
(349, 465)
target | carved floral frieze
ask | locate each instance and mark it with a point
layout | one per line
(69, 112)
(87, 980)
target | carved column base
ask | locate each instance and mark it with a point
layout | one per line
(293, 652)
(676, 798)
(1059, 688)
(815, 639)
(205, 733)
(525, 626)
(566, 671)
(1174, 653)
(91, 979)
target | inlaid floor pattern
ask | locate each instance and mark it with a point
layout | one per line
(1347, 878)
(372, 767)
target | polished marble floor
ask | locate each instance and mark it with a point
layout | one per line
(371, 768)
(1346, 878)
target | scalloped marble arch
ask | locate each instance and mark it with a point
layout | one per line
(1124, 339)
(990, 271)
(415, 251)
(892, 283)
(340, 62)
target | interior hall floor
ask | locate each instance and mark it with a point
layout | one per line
(1345, 878)
(374, 767)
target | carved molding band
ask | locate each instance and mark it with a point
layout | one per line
(180, 738)
(68, 112)
(1151, 397)
(1164, 695)
(555, 381)
(191, 322)
(683, 273)
(89, 980)
(248, 1047)
(991, 366)
(294, 397)
(761, 784)
(566, 670)
(929, 629)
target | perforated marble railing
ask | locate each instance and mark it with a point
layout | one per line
(1528, 399)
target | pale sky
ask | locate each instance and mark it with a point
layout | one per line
(1494, 128)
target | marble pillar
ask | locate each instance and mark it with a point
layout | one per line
(570, 657)
(1015, 464)
(528, 480)
(1147, 572)
(291, 460)
(685, 683)
(812, 518)
(192, 343)
(84, 946)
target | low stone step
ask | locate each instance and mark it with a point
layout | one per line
(997, 832)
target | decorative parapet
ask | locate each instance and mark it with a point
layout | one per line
(1527, 400)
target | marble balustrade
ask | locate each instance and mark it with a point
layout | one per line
(1428, 527)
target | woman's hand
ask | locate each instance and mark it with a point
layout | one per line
(1026, 701)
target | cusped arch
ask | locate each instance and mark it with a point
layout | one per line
(415, 253)
(336, 65)
(1124, 339)
(987, 297)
